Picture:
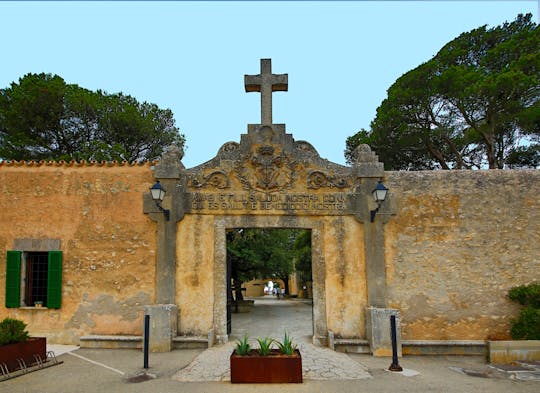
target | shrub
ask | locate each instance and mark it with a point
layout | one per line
(527, 295)
(527, 325)
(12, 331)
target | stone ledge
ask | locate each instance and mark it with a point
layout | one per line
(111, 342)
(190, 342)
(351, 345)
(443, 347)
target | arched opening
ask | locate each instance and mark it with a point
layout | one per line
(269, 283)
(223, 225)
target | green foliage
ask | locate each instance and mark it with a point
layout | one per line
(12, 331)
(43, 118)
(527, 295)
(242, 346)
(527, 326)
(257, 253)
(265, 345)
(302, 254)
(470, 106)
(286, 347)
(524, 157)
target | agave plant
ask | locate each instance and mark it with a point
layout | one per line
(265, 345)
(286, 347)
(242, 346)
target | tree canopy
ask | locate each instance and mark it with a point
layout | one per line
(44, 118)
(475, 104)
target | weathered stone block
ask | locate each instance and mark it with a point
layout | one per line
(506, 352)
(378, 330)
(163, 326)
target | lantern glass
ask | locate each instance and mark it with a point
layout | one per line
(158, 192)
(379, 193)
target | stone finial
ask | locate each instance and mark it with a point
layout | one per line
(170, 164)
(366, 162)
(363, 153)
(266, 83)
(173, 154)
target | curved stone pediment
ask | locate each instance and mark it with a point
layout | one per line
(269, 160)
(268, 172)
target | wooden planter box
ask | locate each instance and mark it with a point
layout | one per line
(274, 368)
(26, 350)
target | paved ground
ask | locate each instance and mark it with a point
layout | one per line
(272, 318)
(93, 370)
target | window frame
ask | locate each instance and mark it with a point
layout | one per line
(16, 276)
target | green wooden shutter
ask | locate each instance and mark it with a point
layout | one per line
(54, 280)
(13, 279)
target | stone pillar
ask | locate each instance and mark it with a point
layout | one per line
(164, 314)
(378, 330)
(163, 326)
(368, 168)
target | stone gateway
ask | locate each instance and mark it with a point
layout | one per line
(441, 252)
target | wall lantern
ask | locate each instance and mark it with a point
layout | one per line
(379, 194)
(158, 193)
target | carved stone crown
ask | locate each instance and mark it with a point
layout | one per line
(266, 150)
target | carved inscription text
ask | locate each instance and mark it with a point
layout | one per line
(294, 202)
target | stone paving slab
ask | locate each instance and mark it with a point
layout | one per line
(321, 364)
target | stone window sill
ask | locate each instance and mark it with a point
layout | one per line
(33, 308)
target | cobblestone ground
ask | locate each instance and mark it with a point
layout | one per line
(271, 317)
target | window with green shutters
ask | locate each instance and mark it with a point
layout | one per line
(54, 280)
(36, 276)
(13, 279)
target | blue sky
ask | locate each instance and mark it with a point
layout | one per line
(191, 57)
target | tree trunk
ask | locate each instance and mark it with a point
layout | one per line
(286, 284)
(436, 153)
(459, 158)
(238, 290)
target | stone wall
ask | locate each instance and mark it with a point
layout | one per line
(459, 242)
(108, 245)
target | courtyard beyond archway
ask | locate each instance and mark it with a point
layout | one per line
(271, 317)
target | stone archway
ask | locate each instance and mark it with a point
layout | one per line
(269, 180)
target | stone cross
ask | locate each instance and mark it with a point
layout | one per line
(266, 83)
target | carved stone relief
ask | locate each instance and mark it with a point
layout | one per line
(266, 170)
(216, 179)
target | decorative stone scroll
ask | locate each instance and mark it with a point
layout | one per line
(228, 149)
(318, 179)
(216, 179)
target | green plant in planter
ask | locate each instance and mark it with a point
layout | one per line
(12, 331)
(527, 325)
(242, 346)
(286, 347)
(265, 345)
